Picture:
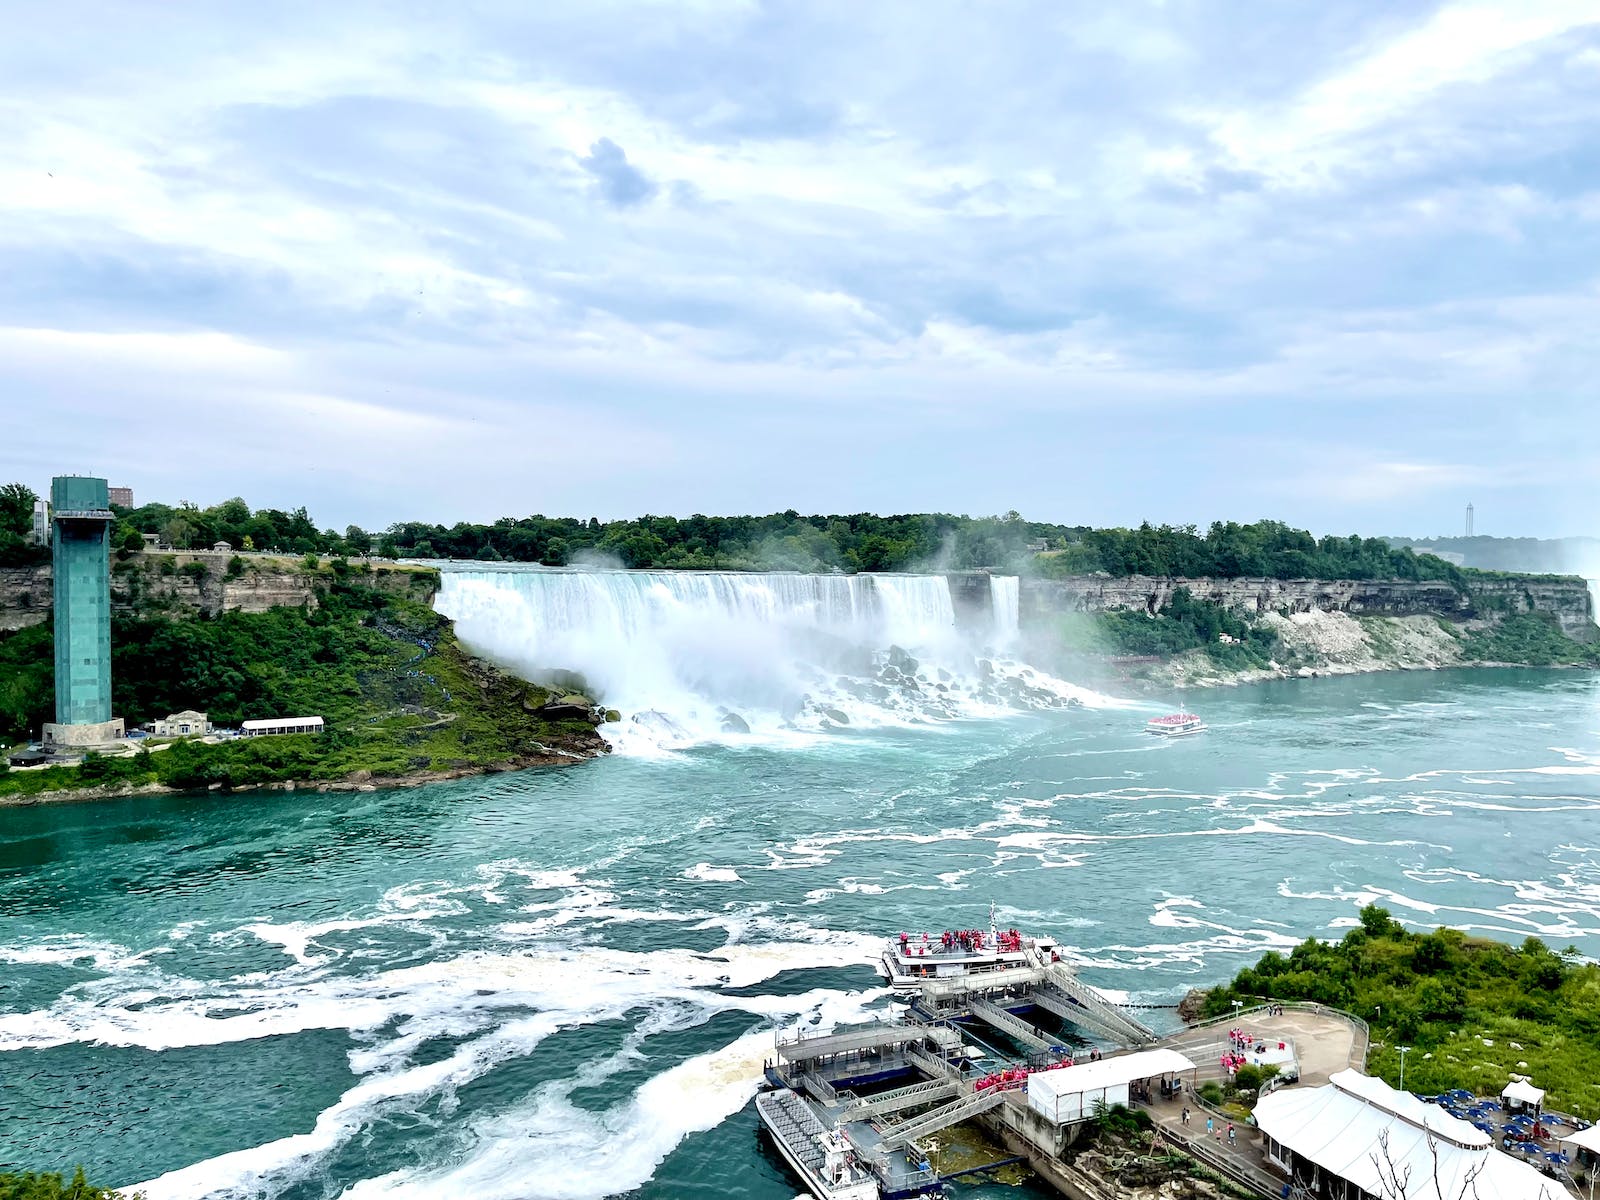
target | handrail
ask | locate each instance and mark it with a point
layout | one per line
(1300, 1006)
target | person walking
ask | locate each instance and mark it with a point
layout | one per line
(1230, 1133)
(1211, 1124)
(1185, 1114)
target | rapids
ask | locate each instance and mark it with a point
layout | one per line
(561, 983)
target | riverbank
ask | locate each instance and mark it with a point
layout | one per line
(1312, 644)
(403, 703)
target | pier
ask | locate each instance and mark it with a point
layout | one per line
(997, 1049)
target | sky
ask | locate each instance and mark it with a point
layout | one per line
(1336, 264)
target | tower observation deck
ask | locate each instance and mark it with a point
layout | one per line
(82, 572)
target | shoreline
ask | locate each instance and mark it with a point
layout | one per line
(358, 781)
(363, 781)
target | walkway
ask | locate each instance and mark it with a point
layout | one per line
(1325, 1041)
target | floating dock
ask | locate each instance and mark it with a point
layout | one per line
(885, 1088)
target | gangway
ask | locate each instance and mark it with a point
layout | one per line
(1013, 1027)
(932, 1064)
(1087, 1007)
(943, 1117)
(928, 1092)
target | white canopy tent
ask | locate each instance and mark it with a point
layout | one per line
(1585, 1139)
(1071, 1093)
(1360, 1130)
(1521, 1092)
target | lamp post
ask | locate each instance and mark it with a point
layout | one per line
(1237, 1005)
(1403, 1050)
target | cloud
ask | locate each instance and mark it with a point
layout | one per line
(873, 256)
(621, 183)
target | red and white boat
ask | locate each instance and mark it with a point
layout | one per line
(1175, 725)
(912, 959)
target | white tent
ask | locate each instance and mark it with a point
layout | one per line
(1585, 1139)
(1071, 1093)
(1359, 1129)
(1520, 1091)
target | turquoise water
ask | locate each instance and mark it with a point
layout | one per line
(562, 983)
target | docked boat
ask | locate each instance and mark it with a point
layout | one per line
(819, 1153)
(1175, 725)
(912, 959)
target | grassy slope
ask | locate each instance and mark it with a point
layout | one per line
(1472, 1009)
(396, 689)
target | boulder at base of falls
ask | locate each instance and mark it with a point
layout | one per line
(571, 707)
(901, 660)
(834, 714)
(732, 722)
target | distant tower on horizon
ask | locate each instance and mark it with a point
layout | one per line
(1469, 518)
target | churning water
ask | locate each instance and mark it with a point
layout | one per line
(697, 656)
(561, 983)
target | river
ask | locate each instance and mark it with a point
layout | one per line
(561, 983)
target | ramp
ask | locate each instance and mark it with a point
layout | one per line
(1013, 1027)
(907, 1097)
(932, 1064)
(942, 1118)
(1064, 994)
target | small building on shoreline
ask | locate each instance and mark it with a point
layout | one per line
(272, 726)
(188, 723)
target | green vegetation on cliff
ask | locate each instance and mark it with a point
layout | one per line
(396, 689)
(1532, 638)
(31, 1186)
(1471, 1009)
(1184, 624)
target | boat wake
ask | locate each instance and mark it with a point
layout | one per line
(701, 656)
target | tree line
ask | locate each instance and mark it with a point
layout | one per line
(782, 541)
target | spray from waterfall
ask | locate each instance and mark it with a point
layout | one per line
(691, 656)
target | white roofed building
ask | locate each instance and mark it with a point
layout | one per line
(277, 725)
(1356, 1138)
(1070, 1094)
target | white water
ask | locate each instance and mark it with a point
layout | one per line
(1594, 598)
(1005, 598)
(692, 656)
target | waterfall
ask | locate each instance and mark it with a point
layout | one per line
(1005, 598)
(1594, 600)
(699, 655)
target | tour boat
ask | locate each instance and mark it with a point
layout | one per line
(819, 1154)
(1175, 725)
(912, 959)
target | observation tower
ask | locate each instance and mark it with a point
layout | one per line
(81, 557)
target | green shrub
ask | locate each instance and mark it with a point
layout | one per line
(31, 1186)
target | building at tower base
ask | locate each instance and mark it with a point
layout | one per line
(81, 523)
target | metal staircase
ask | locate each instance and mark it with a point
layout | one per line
(929, 1092)
(942, 1118)
(1012, 1026)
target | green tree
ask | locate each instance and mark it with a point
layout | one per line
(16, 508)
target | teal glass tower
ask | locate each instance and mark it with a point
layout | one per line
(82, 572)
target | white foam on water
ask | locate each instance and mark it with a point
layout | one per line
(706, 873)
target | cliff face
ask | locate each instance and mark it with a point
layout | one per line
(1567, 600)
(199, 584)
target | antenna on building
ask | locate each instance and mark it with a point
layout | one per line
(1469, 518)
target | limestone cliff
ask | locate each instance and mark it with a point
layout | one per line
(200, 583)
(1568, 600)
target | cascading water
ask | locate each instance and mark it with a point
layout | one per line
(692, 656)
(1005, 599)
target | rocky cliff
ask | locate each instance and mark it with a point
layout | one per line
(201, 584)
(1567, 600)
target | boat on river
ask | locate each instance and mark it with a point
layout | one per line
(911, 959)
(1175, 725)
(817, 1151)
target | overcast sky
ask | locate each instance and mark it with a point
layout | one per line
(1334, 263)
